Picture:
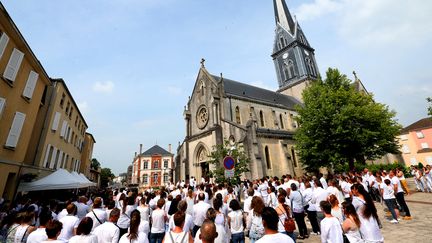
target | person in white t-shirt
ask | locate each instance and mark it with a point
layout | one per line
(82, 207)
(178, 234)
(188, 222)
(331, 231)
(323, 181)
(83, 232)
(53, 229)
(70, 223)
(236, 222)
(39, 234)
(158, 217)
(387, 192)
(399, 193)
(134, 235)
(199, 213)
(109, 232)
(270, 221)
(248, 200)
(97, 214)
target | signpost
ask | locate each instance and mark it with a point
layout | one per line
(229, 164)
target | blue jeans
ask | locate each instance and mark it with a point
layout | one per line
(238, 238)
(290, 234)
(391, 204)
(156, 237)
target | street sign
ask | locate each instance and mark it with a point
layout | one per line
(229, 163)
(229, 173)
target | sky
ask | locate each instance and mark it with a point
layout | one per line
(131, 64)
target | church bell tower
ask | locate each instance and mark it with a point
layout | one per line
(293, 57)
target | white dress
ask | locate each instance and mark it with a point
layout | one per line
(354, 236)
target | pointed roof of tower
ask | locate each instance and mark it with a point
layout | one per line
(283, 16)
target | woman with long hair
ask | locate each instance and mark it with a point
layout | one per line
(25, 228)
(144, 209)
(254, 220)
(336, 211)
(134, 235)
(236, 222)
(367, 213)
(351, 225)
(190, 201)
(284, 212)
(83, 232)
(128, 205)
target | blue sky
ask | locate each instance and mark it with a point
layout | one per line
(131, 64)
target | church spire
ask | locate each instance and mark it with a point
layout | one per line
(283, 16)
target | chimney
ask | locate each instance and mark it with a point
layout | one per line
(135, 154)
(140, 149)
(169, 148)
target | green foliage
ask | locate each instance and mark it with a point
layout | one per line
(106, 176)
(340, 126)
(429, 100)
(420, 166)
(95, 164)
(236, 151)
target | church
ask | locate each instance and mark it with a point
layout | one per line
(261, 120)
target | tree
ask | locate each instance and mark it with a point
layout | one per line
(95, 164)
(105, 176)
(339, 125)
(220, 151)
(429, 99)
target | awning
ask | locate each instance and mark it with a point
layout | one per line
(60, 179)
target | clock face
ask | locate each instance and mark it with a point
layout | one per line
(202, 116)
(285, 55)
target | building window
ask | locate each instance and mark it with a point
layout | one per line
(419, 134)
(155, 178)
(156, 164)
(62, 100)
(67, 108)
(413, 161)
(166, 164)
(70, 114)
(424, 145)
(49, 156)
(405, 149)
(15, 130)
(294, 157)
(202, 88)
(281, 121)
(404, 137)
(145, 165)
(294, 123)
(237, 115)
(145, 179)
(262, 119)
(166, 177)
(267, 156)
(286, 74)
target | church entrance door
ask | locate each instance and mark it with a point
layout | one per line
(204, 170)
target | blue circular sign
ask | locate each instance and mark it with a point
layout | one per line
(229, 163)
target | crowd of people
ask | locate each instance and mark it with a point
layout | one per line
(339, 208)
(422, 178)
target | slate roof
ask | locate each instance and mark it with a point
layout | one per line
(418, 125)
(246, 91)
(156, 150)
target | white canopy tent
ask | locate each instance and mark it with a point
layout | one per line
(81, 178)
(60, 179)
(87, 180)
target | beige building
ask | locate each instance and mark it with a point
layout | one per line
(87, 156)
(416, 142)
(23, 85)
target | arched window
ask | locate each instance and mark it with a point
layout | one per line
(262, 119)
(252, 112)
(202, 88)
(267, 156)
(291, 70)
(155, 179)
(294, 157)
(281, 121)
(145, 179)
(237, 115)
(311, 66)
(286, 73)
(156, 164)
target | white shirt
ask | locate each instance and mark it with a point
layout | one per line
(318, 196)
(279, 237)
(101, 215)
(62, 214)
(144, 212)
(158, 221)
(307, 197)
(37, 236)
(199, 212)
(247, 204)
(388, 191)
(107, 233)
(69, 224)
(20, 233)
(323, 183)
(396, 181)
(84, 239)
(82, 210)
(188, 223)
(236, 219)
(296, 201)
(142, 238)
(346, 187)
(272, 200)
(331, 230)
(124, 219)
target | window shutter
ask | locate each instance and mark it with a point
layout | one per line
(63, 130)
(46, 155)
(31, 84)
(4, 39)
(53, 157)
(56, 121)
(13, 65)
(59, 163)
(15, 130)
(2, 105)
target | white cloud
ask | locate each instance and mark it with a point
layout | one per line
(174, 90)
(372, 23)
(103, 87)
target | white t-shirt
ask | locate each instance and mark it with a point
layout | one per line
(199, 212)
(318, 196)
(331, 230)
(21, 233)
(69, 224)
(37, 236)
(101, 215)
(296, 201)
(236, 219)
(142, 238)
(324, 183)
(247, 204)
(188, 223)
(396, 181)
(158, 221)
(84, 239)
(388, 191)
(182, 237)
(124, 219)
(279, 237)
(107, 232)
(144, 212)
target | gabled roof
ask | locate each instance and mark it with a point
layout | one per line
(418, 125)
(156, 150)
(246, 91)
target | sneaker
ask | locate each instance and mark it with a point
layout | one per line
(407, 218)
(394, 221)
(313, 233)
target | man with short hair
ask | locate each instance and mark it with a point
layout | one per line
(270, 220)
(82, 207)
(199, 213)
(109, 232)
(53, 229)
(208, 232)
(97, 214)
(39, 234)
(399, 193)
(331, 230)
(70, 223)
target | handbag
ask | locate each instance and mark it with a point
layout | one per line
(288, 223)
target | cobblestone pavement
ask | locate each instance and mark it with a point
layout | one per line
(416, 230)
